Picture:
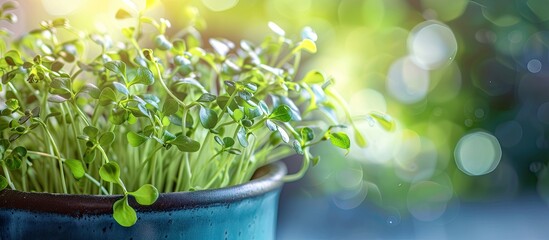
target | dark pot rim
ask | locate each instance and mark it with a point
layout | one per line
(268, 178)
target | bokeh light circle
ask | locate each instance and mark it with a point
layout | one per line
(432, 45)
(534, 66)
(477, 153)
(219, 5)
(428, 200)
(61, 7)
(509, 133)
(407, 82)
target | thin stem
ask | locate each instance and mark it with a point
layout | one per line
(302, 171)
(7, 174)
(89, 177)
(58, 154)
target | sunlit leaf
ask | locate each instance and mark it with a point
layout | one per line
(123, 213)
(143, 76)
(314, 77)
(276, 29)
(340, 140)
(107, 97)
(162, 43)
(110, 172)
(384, 120)
(135, 139)
(207, 97)
(145, 195)
(307, 134)
(308, 45)
(284, 135)
(241, 136)
(122, 14)
(117, 67)
(76, 168)
(281, 113)
(297, 147)
(121, 88)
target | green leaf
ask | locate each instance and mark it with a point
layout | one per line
(122, 14)
(359, 139)
(283, 135)
(281, 113)
(315, 160)
(56, 99)
(121, 88)
(13, 58)
(143, 76)
(340, 140)
(219, 141)
(9, 5)
(308, 45)
(186, 144)
(117, 67)
(89, 155)
(136, 139)
(107, 97)
(13, 162)
(238, 114)
(228, 142)
(162, 43)
(76, 167)
(19, 151)
(297, 147)
(307, 134)
(3, 182)
(4, 145)
(56, 66)
(119, 115)
(91, 132)
(241, 136)
(271, 125)
(384, 120)
(12, 103)
(235, 151)
(314, 77)
(110, 172)
(207, 97)
(247, 123)
(91, 89)
(145, 195)
(208, 118)
(170, 107)
(123, 213)
(106, 139)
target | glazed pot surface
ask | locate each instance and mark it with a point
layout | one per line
(246, 211)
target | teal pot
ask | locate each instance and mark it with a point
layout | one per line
(246, 211)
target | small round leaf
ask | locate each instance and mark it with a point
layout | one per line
(76, 167)
(145, 195)
(110, 172)
(123, 213)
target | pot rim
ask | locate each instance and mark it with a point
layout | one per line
(269, 180)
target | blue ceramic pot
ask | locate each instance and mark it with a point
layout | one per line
(246, 211)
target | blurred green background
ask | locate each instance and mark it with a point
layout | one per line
(466, 82)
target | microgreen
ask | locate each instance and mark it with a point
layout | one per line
(180, 114)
